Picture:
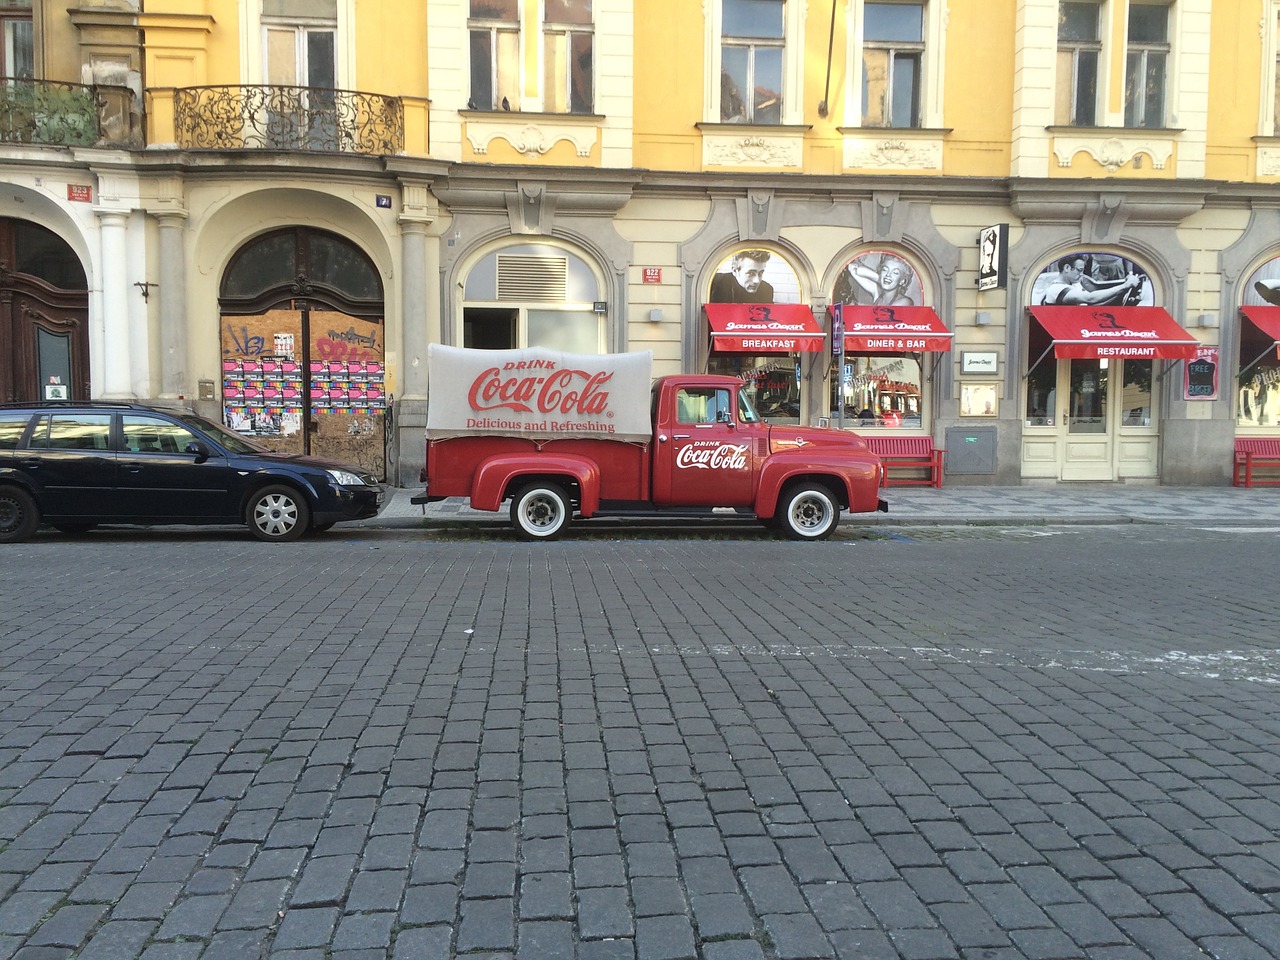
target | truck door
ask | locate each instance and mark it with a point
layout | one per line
(709, 457)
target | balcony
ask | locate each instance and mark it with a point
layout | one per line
(310, 119)
(60, 114)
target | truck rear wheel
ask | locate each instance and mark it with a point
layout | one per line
(808, 511)
(540, 511)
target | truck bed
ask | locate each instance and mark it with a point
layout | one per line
(452, 462)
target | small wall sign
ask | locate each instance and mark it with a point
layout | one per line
(383, 201)
(984, 363)
(80, 192)
(1201, 381)
(652, 275)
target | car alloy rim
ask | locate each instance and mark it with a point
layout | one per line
(276, 514)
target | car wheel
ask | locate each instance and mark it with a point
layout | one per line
(74, 529)
(277, 513)
(540, 511)
(19, 515)
(808, 511)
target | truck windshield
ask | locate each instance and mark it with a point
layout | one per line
(746, 412)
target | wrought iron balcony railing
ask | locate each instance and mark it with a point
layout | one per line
(51, 112)
(314, 119)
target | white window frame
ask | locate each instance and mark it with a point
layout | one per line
(792, 63)
(1144, 48)
(253, 42)
(1269, 117)
(931, 65)
(532, 28)
(568, 30)
(1099, 46)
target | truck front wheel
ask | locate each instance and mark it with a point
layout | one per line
(540, 511)
(808, 512)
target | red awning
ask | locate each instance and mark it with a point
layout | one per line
(1123, 332)
(1266, 319)
(894, 330)
(764, 328)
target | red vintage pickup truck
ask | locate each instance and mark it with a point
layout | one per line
(563, 435)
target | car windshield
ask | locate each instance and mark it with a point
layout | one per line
(228, 438)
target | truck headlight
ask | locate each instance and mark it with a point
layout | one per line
(346, 478)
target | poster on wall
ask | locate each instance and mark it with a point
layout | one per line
(878, 278)
(753, 275)
(263, 395)
(1201, 379)
(1093, 279)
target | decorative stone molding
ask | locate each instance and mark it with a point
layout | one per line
(531, 135)
(893, 149)
(722, 146)
(1111, 151)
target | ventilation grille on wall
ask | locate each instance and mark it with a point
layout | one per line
(523, 277)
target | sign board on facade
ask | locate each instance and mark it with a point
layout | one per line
(981, 362)
(652, 275)
(1201, 380)
(993, 257)
(383, 201)
(537, 392)
(80, 193)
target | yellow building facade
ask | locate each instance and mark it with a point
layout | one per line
(1048, 232)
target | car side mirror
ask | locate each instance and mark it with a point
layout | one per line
(199, 449)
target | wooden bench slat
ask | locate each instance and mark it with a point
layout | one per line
(1251, 452)
(914, 453)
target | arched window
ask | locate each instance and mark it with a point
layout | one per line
(302, 263)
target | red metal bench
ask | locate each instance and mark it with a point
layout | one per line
(911, 454)
(1254, 452)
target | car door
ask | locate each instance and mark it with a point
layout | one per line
(72, 466)
(710, 456)
(160, 481)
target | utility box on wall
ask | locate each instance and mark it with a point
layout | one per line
(970, 450)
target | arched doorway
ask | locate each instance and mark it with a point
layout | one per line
(304, 345)
(1098, 347)
(44, 314)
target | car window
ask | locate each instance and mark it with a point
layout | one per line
(152, 435)
(702, 405)
(228, 438)
(73, 431)
(11, 427)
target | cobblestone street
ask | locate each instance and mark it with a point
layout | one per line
(1051, 743)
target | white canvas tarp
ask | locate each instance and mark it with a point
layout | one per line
(537, 393)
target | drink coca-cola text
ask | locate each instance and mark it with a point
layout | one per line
(566, 391)
(726, 456)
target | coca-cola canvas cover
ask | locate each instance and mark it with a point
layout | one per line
(537, 393)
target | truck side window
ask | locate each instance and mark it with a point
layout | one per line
(703, 406)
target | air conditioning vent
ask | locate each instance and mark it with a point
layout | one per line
(523, 277)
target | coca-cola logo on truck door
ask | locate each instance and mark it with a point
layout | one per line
(712, 455)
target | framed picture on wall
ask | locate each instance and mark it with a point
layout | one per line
(979, 400)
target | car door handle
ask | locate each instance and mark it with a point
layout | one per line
(32, 464)
(680, 436)
(133, 466)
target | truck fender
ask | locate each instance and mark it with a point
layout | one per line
(855, 481)
(496, 476)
